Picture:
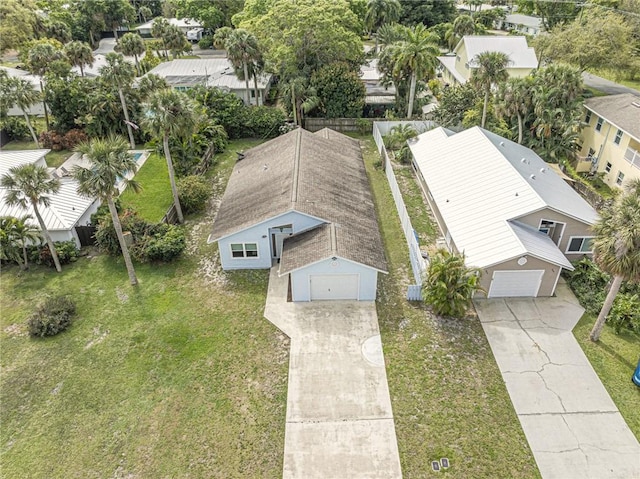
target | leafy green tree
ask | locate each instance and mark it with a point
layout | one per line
(340, 91)
(18, 23)
(79, 54)
(110, 163)
(427, 12)
(221, 36)
(169, 113)
(89, 18)
(144, 12)
(69, 101)
(119, 73)
(15, 235)
(117, 13)
(449, 285)
(492, 69)
(206, 12)
(30, 184)
(454, 102)
(20, 93)
(552, 13)
(132, 44)
(58, 30)
(242, 50)
(298, 38)
(616, 247)
(514, 100)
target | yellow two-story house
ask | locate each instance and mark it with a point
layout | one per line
(611, 138)
(457, 68)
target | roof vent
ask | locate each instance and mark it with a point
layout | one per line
(265, 167)
(543, 169)
(533, 177)
(241, 155)
(523, 160)
(502, 143)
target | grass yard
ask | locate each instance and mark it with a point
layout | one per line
(179, 377)
(448, 397)
(54, 158)
(614, 358)
(426, 228)
(155, 198)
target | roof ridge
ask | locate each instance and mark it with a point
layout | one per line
(296, 167)
(332, 236)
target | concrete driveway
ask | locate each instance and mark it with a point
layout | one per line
(339, 418)
(572, 425)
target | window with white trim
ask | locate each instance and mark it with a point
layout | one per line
(599, 124)
(244, 250)
(587, 118)
(618, 137)
(580, 244)
(620, 178)
(607, 168)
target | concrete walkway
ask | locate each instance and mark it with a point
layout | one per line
(339, 418)
(572, 425)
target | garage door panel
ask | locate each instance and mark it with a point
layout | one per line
(334, 286)
(513, 284)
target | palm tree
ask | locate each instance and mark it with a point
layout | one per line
(170, 113)
(31, 184)
(221, 36)
(464, 25)
(119, 73)
(616, 247)
(390, 33)
(39, 59)
(514, 99)
(132, 44)
(381, 12)
(109, 161)
(24, 234)
(242, 49)
(22, 94)
(159, 29)
(302, 95)
(417, 54)
(491, 69)
(79, 54)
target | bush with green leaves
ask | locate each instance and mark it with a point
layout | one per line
(67, 253)
(206, 42)
(193, 191)
(263, 121)
(625, 313)
(51, 317)
(340, 90)
(15, 128)
(449, 284)
(165, 244)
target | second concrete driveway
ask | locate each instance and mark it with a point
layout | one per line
(339, 418)
(572, 425)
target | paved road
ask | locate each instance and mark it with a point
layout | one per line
(573, 427)
(339, 417)
(606, 86)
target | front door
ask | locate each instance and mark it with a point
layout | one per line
(277, 239)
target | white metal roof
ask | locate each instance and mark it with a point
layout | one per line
(539, 245)
(178, 22)
(520, 54)
(449, 62)
(216, 72)
(526, 20)
(15, 72)
(66, 207)
(479, 182)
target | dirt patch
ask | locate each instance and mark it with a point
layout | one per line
(99, 337)
(16, 330)
(121, 295)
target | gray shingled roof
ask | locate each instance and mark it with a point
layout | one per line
(619, 110)
(321, 174)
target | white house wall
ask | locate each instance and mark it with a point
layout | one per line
(368, 278)
(259, 234)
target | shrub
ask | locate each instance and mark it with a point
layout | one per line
(193, 192)
(51, 139)
(16, 128)
(206, 42)
(53, 316)
(72, 138)
(165, 245)
(106, 237)
(625, 313)
(67, 253)
(263, 121)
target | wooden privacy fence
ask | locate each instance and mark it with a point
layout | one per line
(418, 264)
(338, 124)
(171, 216)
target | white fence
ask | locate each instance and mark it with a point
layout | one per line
(418, 264)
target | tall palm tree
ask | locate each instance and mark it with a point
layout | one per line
(159, 28)
(514, 100)
(39, 59)
(464, 25)
(491, 69)
(32, 184)
(220, 37)
(242, 49)
(417, 54)
(119, 73)
(109, 161)
(381, 12)
(79, 54)
(22, 94)
(616, 247)
(170, 113)
(302, 95)
(132, 44)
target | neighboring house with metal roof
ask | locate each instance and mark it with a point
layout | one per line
(210, 72)
(502, 206)
(303, 199)
(611, 138)
(184, 24)
(378, 97)
(458, 68)
(525, 24)
(37, 108)
(67, 209)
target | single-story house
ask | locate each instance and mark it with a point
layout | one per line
(211, 72)
(184, 24)
(377, 95)
(501, 205)
(525, 24)
(303, 200)
(67, 209)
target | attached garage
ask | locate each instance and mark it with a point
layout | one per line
(333, 286)
(505, 284)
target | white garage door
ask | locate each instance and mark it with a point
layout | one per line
(333, 286)
(515, 283)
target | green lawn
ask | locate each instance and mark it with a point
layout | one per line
(614, 358)
(448, 397)
(155, 198)
(179, 377)
(54, 158)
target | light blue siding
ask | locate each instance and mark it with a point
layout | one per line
(259, 234)
(368, 278)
